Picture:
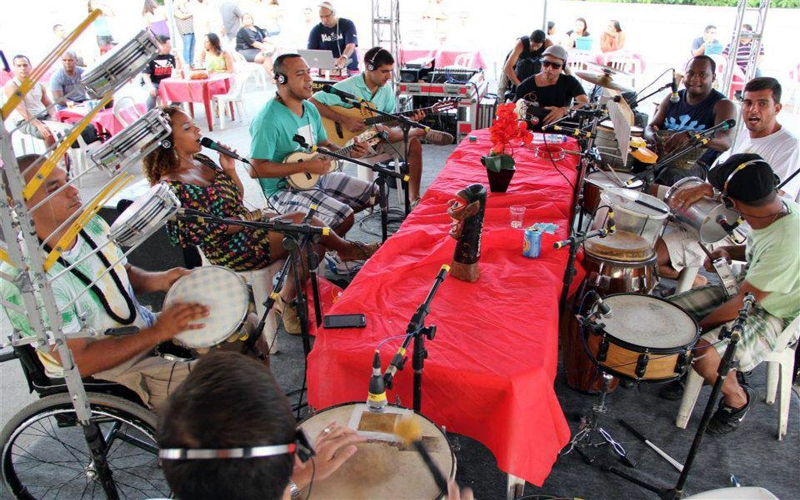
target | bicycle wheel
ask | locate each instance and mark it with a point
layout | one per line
(45, 455)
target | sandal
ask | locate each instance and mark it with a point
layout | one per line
(363, 251)
(288, 314)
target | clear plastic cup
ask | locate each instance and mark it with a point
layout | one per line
(517, 216)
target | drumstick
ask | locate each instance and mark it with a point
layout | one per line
(655, 448)
(707, 252)
(409, 430)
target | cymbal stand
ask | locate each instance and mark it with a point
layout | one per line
(734, 335)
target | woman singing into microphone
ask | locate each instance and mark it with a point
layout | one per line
(202, 185)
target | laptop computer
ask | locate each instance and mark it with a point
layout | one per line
(319, 59)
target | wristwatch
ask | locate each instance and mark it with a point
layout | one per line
(294, 491)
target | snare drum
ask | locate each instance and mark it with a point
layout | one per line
(596, 182)
(646, 338)
(147, 214)
(133, 143)
(702, 216)
(635, 212)
(120, 65)
(227, 297)
(383, 468)
(608, 147)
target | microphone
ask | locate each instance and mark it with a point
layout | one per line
(726, 125)
(345, 96)
(603, 309)
(675, 97)
(210, 144)
(376, 398)
(728, 228)
(611, 224)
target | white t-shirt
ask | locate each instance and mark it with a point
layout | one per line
(781, 150)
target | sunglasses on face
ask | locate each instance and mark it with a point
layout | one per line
(551, 64)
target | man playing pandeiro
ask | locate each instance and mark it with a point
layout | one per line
(553, 89)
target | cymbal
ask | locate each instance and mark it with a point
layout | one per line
(604, 80)
(607, 69)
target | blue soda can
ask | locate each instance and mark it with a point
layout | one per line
(532, 244)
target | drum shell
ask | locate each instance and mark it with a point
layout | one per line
(640, 221)
(702, 215)
(595, 183)
(381, 470)
(688, 160)
(606, 143)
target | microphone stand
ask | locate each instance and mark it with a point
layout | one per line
(734, 335)
(417, 331)
(650, 174)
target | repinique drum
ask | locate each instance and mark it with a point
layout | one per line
(133, 143)
(227, 297)
(687, 161)
(704, 215)
(145, 216)
(608, 147)
(645, 338)
(383, 468)
(635, 212)
(120, 65)
(596, 182)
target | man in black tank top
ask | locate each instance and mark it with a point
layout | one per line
(699, 107)
(525, 59)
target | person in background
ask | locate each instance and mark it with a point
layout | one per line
(159, 68)
(252, 43)
(155, 18)
(231, 20)
(213, 57)
(707, 44)
(613, 38)
(336, 34)
(65, 84)
(184, 20)
(59, 35)
(580, 29)
(274, 18)
(207, 19)
(525, 58)
(744, 50)
(34, 111)
(102, 31)
(551, 33)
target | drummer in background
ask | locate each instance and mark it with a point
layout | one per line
(699, 107)
(772, 275)
(765, 137)
(110, 303)
(254, 413)
(201, 184)
(553, 87)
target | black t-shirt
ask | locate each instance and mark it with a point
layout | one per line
(246, 37)
(160, 67)
(335, 39)
(560, 94)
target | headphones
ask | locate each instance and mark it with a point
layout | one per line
(724, 198)
(301, 447)
(280, 78)
(371, 62)
(328, 6)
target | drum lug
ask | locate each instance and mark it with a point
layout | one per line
(682, 363)
(602, 352)
(600, 282)
(641, 364)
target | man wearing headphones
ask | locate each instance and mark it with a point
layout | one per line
(337, 35)
(338, 196)
(746, 183)
(372, 86)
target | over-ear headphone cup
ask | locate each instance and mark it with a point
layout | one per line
(727, 202)
(280, 78)
(370, 67)
(166, 144)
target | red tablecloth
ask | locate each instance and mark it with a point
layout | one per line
(104, 120)
(492, 363)
(443, 58)
(190, 91)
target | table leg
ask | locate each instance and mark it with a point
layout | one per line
(231, 104)
(516, 487)
(207, 104)
(191, 109)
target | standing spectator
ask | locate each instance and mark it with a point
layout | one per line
(231, 19)
(251, 42)
(525, 59)
(274, 18)
(159, 68)
(580, 29)
(337, 35)
(744, 50)
(184, 20)
(66, 82)
(206, 18)
(155, 18)
(613, 38)
(213, 57)
(105, 40)
(707, 44)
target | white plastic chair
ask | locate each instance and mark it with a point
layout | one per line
(234, 96)
(629, 65)
(779, 372)
(125, 110)
(249, 69)
(464, 60)
(577, 59)
(743, 493)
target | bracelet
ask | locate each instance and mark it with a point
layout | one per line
(294, 491)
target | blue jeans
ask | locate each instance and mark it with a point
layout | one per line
(188, 48)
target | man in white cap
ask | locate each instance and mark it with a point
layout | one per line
(553, 88)
(337, 35)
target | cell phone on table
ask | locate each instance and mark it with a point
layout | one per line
(344, 321)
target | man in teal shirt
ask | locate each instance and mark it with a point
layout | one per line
(371, 86)
(338, 196)
(772, 253)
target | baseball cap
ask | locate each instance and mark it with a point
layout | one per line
(556, 51)
(752, 182)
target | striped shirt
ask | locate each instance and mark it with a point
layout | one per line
(742, 53)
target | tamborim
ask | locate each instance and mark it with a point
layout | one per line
(383, 468)
(226, 295)
(120, 65)
(147, 214)
(134, 142)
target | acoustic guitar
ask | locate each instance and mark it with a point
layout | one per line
(303, 181)
(338, 134)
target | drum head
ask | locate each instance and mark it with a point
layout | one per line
(621, 246)
(608, 125)
(383, 468)
(635, 202)
(224, 292)
(607, 180)
(649, 322)
(146, 214)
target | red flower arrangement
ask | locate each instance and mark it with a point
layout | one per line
(507, 131)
